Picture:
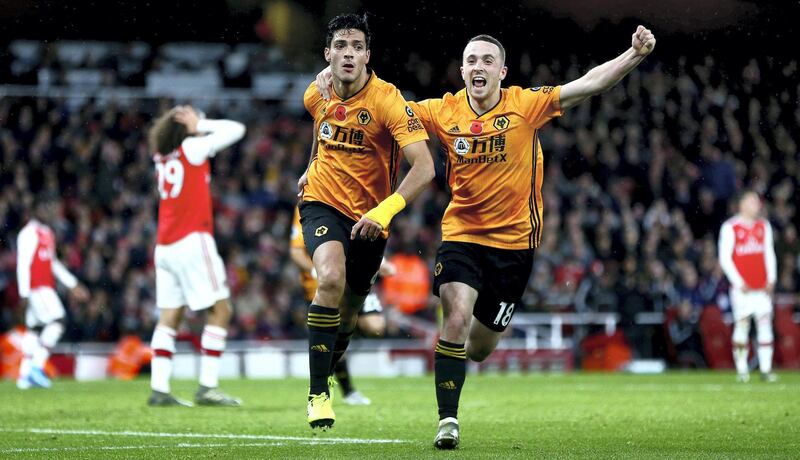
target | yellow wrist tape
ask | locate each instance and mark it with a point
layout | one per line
(387, 209)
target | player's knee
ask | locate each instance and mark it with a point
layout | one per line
(741, 330)
(372, 325)
(764, 331)
(51, 334)
(457, 317)
(477, 353)
(331, 280)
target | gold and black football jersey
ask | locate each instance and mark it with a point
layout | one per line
(358, 146)
(494, 164)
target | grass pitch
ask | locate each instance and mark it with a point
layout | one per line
(693, 415)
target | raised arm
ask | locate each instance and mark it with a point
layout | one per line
(212, 135)
(606, 75)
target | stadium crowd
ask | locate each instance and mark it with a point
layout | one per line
(637, 184)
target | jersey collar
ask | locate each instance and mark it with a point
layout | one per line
(358, 93)
(466, 101)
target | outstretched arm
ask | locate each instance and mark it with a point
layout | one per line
(606, 75)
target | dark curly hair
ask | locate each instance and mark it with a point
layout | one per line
(347, 22)
(166, 134)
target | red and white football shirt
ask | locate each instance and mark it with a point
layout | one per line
(747, 253)
(184, 177)
(37, 265)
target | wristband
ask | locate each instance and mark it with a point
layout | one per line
(386, 209)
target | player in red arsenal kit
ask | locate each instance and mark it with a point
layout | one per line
(37, 270)
(189, 271)
(747, 256)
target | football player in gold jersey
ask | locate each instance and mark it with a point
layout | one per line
(350, 194)
(370, 323)
(494, 219)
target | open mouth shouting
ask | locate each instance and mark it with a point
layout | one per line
(478, 82)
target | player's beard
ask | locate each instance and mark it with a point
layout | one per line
(346, 77)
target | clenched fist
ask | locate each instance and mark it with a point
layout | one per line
(643, 41)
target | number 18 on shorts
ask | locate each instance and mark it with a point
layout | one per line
(499, 275)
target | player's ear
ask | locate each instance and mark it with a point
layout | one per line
(367, 61)
(462, 73)
(327, 55)
(503, 73)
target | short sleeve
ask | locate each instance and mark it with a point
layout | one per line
(312, 100)
(540, 104)
(425, 110)
(401, 120)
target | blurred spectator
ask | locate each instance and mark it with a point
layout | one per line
(684, 332)
(635, 189)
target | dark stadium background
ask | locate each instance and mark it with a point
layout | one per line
(417, 46)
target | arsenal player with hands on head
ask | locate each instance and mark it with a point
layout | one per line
(747, 256)
(189, 271)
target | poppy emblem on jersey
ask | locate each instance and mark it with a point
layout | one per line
(340, 113)
(325, 130)
(501, 123)
(476, 127)
(437, 269)
(461, 146)
(364, 117)
(321, 230)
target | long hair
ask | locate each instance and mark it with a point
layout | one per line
(166, 134)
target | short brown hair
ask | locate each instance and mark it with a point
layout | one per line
(166, 134)
(490, 39)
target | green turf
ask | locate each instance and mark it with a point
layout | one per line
(694, 415)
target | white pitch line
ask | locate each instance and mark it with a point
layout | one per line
(183, 445)
(263, 437)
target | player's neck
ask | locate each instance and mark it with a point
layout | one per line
(481, 106)
(348, 90)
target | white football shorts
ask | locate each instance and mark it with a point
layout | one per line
(44, 307)
(190, 272)
(752, 303)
